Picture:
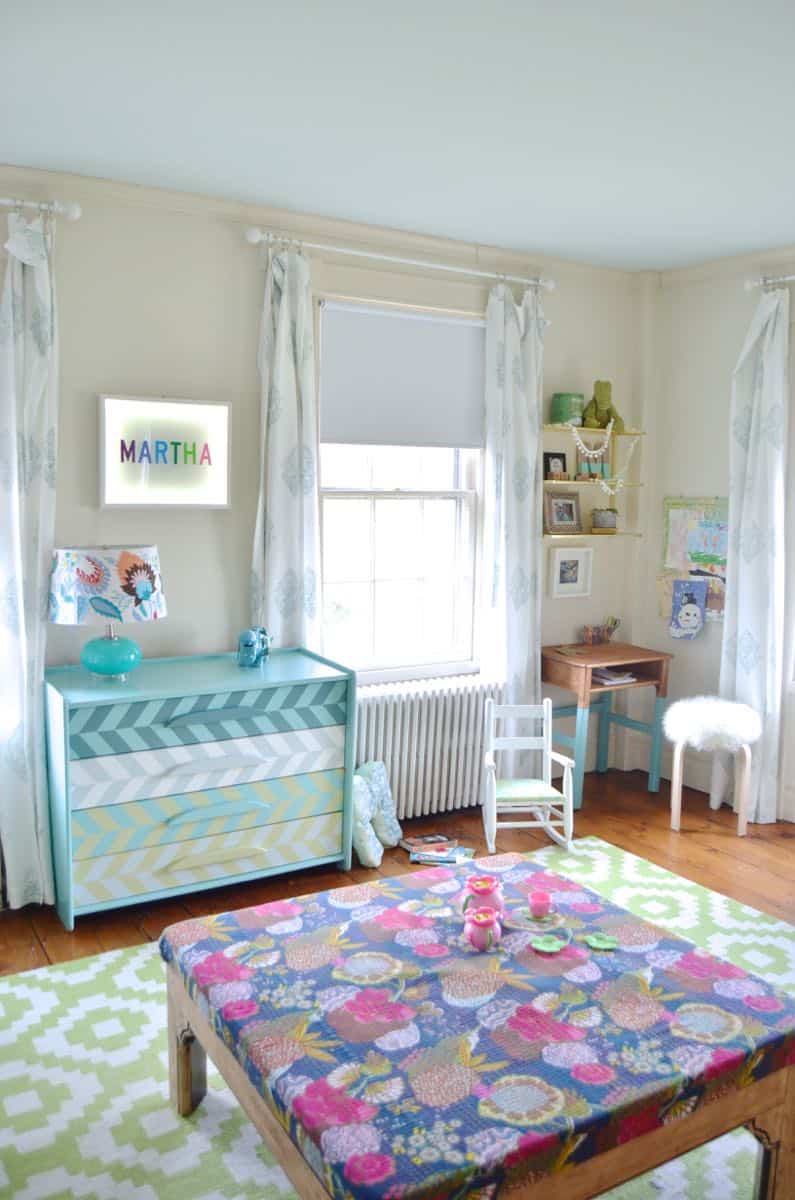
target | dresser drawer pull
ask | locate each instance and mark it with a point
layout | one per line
(203, 767)
(195, 815)
(208, 716)
(189, 862)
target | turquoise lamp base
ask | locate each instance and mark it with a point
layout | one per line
(110, 655)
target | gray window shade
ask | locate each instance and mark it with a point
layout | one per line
(390, 377)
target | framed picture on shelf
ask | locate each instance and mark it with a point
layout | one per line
(570, 571)
(562, 512)
(554, 464)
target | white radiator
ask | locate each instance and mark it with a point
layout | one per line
(430, 735)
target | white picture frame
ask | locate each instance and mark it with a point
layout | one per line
(570, 571)
(163, 453)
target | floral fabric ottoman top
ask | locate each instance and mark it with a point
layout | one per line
(404, 1063)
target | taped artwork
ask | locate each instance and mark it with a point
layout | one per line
(695, 545)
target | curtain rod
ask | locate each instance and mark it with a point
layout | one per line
(765, 280)
(72, 212)
(254, 236)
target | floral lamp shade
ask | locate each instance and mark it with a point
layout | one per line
(94, 585)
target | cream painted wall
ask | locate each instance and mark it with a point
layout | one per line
(159, 295)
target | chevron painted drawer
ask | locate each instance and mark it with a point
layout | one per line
(194, 772)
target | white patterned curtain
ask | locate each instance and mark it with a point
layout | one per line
(28, 433)
(753, 652)
(286, 558)
(512, 493)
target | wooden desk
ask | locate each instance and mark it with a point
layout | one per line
(571, 667)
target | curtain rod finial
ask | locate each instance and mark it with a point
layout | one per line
(254, 236)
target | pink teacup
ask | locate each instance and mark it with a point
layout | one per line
(482, 928)
(485, 891)
(540, 905)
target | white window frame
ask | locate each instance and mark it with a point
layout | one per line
(470, 496)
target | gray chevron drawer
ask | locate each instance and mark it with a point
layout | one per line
(187, 751)
(118, 778)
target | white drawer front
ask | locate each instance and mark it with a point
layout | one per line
(145, 774)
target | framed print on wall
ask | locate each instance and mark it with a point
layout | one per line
(570, 571)
(562, 512)
(163, 453)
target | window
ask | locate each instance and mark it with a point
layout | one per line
(399, 537)
(401, 436)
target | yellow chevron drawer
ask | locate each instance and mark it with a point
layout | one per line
(162, 869)
(119, 828)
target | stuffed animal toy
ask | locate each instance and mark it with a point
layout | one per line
(600, 411)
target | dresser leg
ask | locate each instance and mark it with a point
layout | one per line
(187, 1061)
(580, 752)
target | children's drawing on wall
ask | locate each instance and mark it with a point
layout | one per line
(695, 542)
(688, 605)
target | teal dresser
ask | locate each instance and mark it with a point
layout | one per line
(195, 772)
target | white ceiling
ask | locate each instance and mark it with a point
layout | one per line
(633, 133)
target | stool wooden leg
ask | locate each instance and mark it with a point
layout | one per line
(742, 780)
(676, 787)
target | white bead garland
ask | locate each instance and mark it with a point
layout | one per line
(591, 452)
(620, 475)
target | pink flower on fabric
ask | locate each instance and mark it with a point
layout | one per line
(529, 1145)
(722, 1061)
(768, 1004)
(217, 968)
(431, 950)
(369, 1168)
(536, 1026)
(594, 1073)
(704, 966)
(238, 1010)
(278, 909)
(374, 1004)
(547, 882)
(582, 907)
(396, 918)
(320, 1106)
(433, 875)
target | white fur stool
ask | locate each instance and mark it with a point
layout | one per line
(709, 723)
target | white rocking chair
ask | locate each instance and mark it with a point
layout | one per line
(553, 810)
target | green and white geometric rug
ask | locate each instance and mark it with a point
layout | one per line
(84, 1109)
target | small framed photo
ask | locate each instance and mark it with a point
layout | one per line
(554, 464)
(562, 512)
(570, 571)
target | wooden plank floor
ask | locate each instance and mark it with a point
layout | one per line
(757, 870)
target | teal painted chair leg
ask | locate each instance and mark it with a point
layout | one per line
(580, 752)
(603, 745)
(656, 745)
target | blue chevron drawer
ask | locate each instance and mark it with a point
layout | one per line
(194, 772)
(187, 720)
(119, 828)
(212, 860)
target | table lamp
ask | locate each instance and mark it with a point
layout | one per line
(90, 585)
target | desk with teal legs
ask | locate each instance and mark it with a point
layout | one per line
(571, 667)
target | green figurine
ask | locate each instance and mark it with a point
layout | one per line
(600, 411)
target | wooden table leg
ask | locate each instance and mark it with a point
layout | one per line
(580, 751)
(656, 743)
(775, 1132)
(605, 703)
(187, 1061)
